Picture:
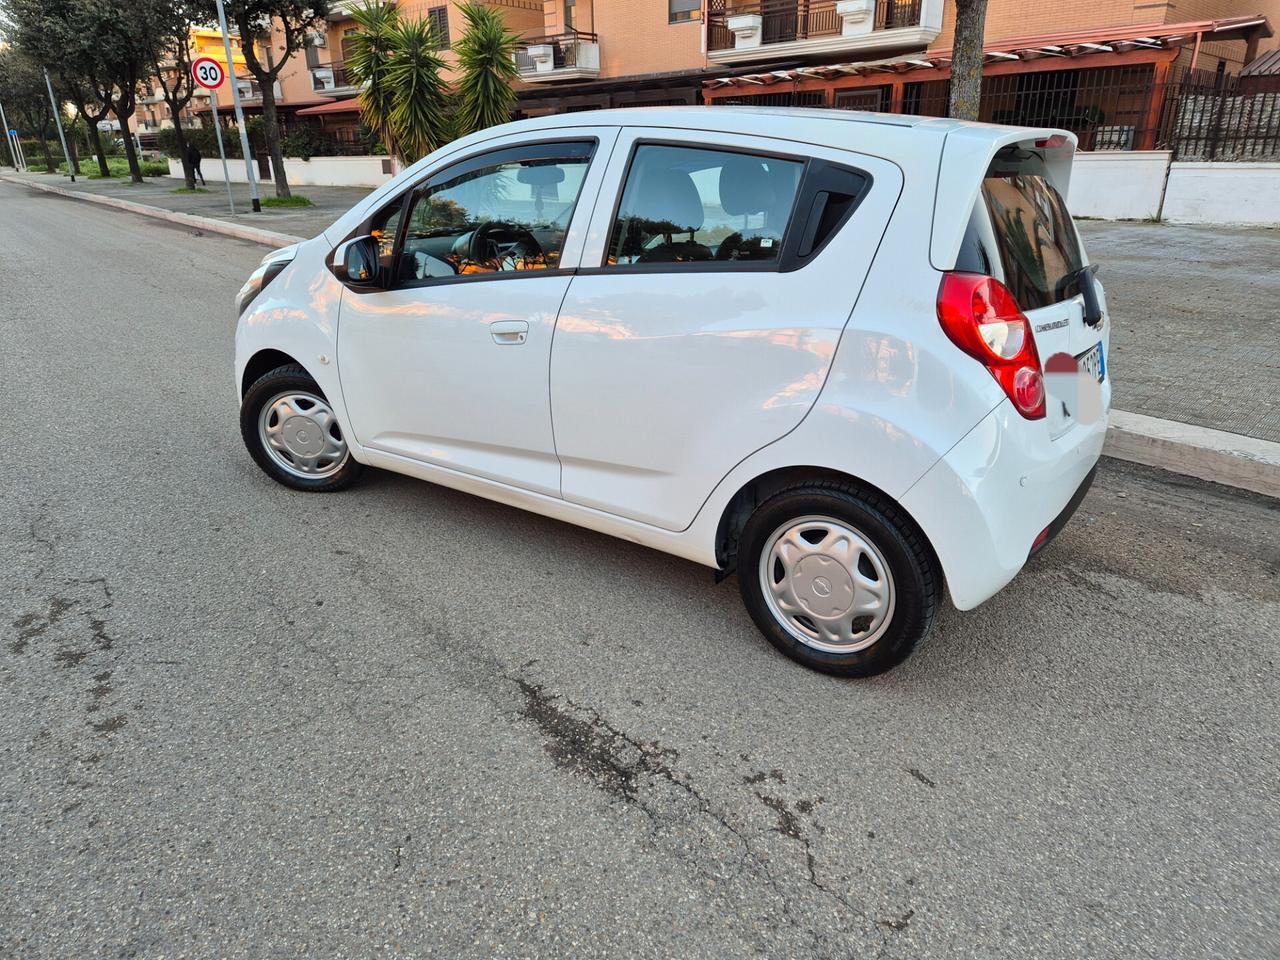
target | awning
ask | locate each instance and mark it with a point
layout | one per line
(1266, 65)
(1061, 46)
(350, 105)
(254, 105)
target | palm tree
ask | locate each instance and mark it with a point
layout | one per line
(420, 119)
(369, 53)
(486, 61)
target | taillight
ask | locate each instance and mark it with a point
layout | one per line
(981, 317)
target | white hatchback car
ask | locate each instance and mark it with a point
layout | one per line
(809, 346)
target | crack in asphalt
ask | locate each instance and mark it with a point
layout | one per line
(582, 741)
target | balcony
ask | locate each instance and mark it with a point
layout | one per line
(745, 32)
(332, 79)
(566, 56)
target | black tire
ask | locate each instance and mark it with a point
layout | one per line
(917, 585)
(266, 387)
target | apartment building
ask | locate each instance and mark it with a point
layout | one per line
(153, 114)
(1092, 63)
(317, 84)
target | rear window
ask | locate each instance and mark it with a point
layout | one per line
(1029, 232)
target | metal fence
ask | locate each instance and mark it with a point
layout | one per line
(564, 49)
(1199, 116)
(782, 21)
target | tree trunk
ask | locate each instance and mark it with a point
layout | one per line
(188, 171)
(95, 138)
(49, 165)
(271, 133)
(75, 154)
(130, 151)
(966, 59)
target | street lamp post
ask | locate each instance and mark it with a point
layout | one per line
(11, 139)
(235, 100)
(57, 118)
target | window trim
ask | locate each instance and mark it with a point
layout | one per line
(788, 259)
(453, 169)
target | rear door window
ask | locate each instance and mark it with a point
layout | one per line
(1034, 237)
(685, 205)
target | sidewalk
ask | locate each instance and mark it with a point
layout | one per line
(329, 203)
(1195, 336)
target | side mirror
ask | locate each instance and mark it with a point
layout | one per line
(356, 261)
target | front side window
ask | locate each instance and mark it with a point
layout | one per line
(694, 205)
(503, 213)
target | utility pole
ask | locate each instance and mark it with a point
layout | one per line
(11, 140)
(57, 118)
(235, 100)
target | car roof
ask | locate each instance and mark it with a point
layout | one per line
(802, 123)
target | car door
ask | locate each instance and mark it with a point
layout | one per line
(448, 362)
(719, 273)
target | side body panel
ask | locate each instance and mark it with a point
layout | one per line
(455, 372)
(662, 381)
(297, 314)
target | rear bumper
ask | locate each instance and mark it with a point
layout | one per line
(983, 504)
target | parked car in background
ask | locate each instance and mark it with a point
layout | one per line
(809, 346)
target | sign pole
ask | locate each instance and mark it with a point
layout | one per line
(10, 136)
(217, 129)
(57, 116)
(235, 100)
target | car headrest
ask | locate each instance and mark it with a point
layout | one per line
(667, 195)
(746, 187)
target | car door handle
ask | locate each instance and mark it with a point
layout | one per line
(509, 332)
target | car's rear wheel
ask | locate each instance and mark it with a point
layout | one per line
(837, 578)
(292, 433)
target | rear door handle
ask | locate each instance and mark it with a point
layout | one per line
(509, 332)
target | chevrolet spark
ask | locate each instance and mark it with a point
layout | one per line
(813, 347)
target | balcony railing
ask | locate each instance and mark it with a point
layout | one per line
(787, 21)
(341, 77)
(574, 52)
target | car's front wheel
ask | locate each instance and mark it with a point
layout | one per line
(837, 578)
(292, 433)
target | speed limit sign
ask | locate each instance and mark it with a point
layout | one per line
(208, 72)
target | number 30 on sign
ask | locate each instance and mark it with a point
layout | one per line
(208, 73)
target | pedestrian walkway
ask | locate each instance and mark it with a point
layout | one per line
(1195, 336)
(329, 203)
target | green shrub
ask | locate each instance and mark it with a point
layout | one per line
(303, 141)
(296, 200)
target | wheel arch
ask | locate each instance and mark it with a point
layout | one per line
(264, 361)
(759, 489)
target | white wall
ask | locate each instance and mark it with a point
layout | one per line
(1110, 185)
(1223, 193)
(1117, 185)
(316, 172)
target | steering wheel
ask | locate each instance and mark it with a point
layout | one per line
(495, 241)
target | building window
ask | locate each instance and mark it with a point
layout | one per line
(679, 11)
(438, 17)
(568, 14)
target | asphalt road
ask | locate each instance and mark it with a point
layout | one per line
(237, 721)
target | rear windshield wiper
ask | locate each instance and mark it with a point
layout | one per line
(1083, 279)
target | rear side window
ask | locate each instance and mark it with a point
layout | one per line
(1033, 236)
(693, 205)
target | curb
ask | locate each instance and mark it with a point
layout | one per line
(208, 224)
(1215, 455)
(1226, 458)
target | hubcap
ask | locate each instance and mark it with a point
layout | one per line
(300, 433)
(827, 584)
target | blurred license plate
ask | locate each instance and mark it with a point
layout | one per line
(1092, 362)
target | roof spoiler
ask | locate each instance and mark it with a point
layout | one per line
(967, 152)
